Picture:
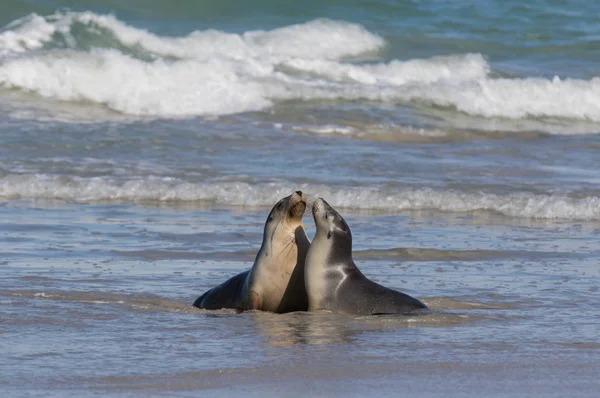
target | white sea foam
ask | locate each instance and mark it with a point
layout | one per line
(136, 87)
(517, 98)
(327, 129)
(24, 34)
(215, 73)
(518, 204)
(372, 131)
(397, 73)
(304, 40)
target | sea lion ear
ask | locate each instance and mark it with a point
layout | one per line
(329, 235)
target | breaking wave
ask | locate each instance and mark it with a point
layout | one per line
(167, 189)
(98, 59)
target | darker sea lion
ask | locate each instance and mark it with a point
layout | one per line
(334, 283)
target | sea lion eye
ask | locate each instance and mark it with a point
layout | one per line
(280, 205)
(270, 219)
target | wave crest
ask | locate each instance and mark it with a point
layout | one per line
(166, 189)
(136, 72)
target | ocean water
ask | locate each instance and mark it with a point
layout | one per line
(142, 146)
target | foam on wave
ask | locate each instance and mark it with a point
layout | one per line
(306, 40)
(163, 189)
(215, 73)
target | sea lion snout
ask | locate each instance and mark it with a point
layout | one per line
(297, 204)
(297, 196)
(317, 206)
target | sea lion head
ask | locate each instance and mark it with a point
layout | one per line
(284, 220)
(329, 222)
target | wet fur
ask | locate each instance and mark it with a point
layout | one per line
(276, 280)
(334, 282)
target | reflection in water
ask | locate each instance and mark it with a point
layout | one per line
(324, 328)
(303, 328)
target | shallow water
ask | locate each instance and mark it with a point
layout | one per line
(142, 147)
(101, 303)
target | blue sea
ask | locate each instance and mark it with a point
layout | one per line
(143, 143)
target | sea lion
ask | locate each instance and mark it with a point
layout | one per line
(334, 283)
(276, 280)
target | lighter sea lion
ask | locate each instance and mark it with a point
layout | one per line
(334, 283)
(276, 280)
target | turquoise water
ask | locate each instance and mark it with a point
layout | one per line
(524, 67)
(142, 145)
(540, 38)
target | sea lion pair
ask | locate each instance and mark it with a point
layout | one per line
(292, 274)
